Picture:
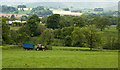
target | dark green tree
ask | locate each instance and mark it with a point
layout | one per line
(57, 33)
(66, 9)
(47, 37)
(78, 37)
(44, 19)
(32, 24)
(92, 36)
(79, 21)
(118, 27)
(22, 37)
(12, 17)
(24, 18)
(40, 29)
(21, 6)
(102, 22)
(53, 21)
(65, 22)
(14, 34)
(111, 42)
(6, 35)
(8, 9)
(41, 11)
(66, 35)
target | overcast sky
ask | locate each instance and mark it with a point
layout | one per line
(59, 0)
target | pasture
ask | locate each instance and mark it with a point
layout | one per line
(62, 12)
(15, 28)
(57, 58)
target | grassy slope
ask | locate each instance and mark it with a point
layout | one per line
(14, 28)
(24, 12)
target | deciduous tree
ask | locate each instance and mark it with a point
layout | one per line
(53, 21)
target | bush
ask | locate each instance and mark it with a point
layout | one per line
(48, 47)
(20, 45)
(112, 43)
(58, 42)
(6, 47)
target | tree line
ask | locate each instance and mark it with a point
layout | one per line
(40, 10)
(82, 31)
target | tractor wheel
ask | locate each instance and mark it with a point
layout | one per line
(37, 49)
(43, 49)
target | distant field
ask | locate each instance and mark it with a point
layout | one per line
(19, 58)
(14, 28)
(62, 12)
(24, 12)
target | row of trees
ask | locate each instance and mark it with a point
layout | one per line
(21, 6)
(8, 9)
(56, 21)
(87, 36)
(41, 11)
(59, 30)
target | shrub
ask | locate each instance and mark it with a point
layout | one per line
(58, 42)
(48, 47)
(20, 45)
(112, 43)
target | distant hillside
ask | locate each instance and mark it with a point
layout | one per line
(75, 5)
(106, 5)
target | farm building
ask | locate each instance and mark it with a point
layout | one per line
(18, 21)
(25, 9)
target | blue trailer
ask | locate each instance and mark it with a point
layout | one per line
(29, 46)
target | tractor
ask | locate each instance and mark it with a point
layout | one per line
(40, 47)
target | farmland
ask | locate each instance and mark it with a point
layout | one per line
(56, 58)
(71, 37)
(61, 12)
(14, 28)
(61, 57)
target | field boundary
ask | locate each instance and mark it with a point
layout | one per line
(60, 69)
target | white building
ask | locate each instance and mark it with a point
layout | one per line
(10, 22)
(25, 9)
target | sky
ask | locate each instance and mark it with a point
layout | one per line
(59, 0)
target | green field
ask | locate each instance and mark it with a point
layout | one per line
(19, 58)
(14, 28)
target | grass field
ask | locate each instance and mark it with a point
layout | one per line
(14, 28)
(19, 58)
(62, 12)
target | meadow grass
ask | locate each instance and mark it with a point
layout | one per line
(15, 28)
(24, 12)
(19, 58)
